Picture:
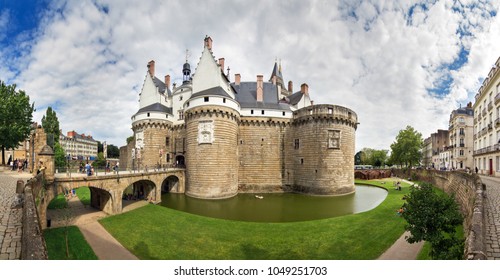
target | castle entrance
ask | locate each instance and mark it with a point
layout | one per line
(179, 161)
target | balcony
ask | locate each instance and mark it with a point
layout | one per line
(490, 126)
(483, 112)
(490, 106)
(497, 122)
(462, 145)
(486, 150)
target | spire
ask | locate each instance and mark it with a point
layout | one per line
(186, 69)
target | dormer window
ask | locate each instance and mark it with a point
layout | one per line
(205, 99)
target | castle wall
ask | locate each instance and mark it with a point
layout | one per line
(261, 154)
(212, 152)
(153, 137)
(321, 152)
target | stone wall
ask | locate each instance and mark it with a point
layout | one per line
(321, 150)
(155, 133)
(261, 147)
(468, 190)
(33, 243)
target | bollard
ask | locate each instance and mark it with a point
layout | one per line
(19, 199)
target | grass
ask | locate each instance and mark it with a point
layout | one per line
(78, 246)
(156, 232)
(59, 202)
(83, 194)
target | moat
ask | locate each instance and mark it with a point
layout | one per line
(278, 207)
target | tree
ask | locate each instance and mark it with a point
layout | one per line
(113, 151)
(59, 156)
(130, 139)
(378, 158)
(16, 115)
(50, 124)
(434, 218)
(368, 156)
(406, 150)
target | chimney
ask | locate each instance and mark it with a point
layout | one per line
(290, 86)
(237, 79)
(151, 68)
(167, 81)
(221, 63)
(304, 89)
(208, 42)
(260, 88)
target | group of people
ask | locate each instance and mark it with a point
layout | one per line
(17, 164)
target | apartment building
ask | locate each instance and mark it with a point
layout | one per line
(487, 124)
(461, 132)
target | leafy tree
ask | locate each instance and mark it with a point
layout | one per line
(50, 124)
(406, 150)
(59, 156)
(16, 115)
(358, 158)
(130, 139)
(368, 156)
(100, 161)
(434, 218)
(113, 151)
(378, 158)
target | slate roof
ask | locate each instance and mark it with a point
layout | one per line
(294, 98)
(156, 107)
(246, 95)
(218, 91)
(161, 86)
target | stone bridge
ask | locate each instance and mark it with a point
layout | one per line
(108, 190)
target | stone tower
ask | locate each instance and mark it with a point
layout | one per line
(212, 117)
(322, 157)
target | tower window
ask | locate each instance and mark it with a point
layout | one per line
(262, 112)
(296, 144)
(180, 97)
(148, 114)
(301, 161)
(223, 100)
(205, 98)
(283, 113)
(251, 112)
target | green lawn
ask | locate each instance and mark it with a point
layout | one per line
(59, 202)
(156, 232)
(83, 194)
(79, 249)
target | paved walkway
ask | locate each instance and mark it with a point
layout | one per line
(402, 250)
(105, 246)
(10, 219)
(492, 219)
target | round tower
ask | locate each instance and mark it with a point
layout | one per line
(323, 149)
(212, 150)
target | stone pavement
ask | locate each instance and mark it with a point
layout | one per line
(10, 219)
(492, 217)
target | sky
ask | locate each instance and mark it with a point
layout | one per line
(395, 63)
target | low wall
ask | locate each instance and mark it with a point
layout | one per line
(33, 243)
(469, 194)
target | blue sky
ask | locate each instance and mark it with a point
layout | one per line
(395, 63)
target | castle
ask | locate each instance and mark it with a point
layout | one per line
(238, 136)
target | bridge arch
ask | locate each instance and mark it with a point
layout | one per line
(171, 184)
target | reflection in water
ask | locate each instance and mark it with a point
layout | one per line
(278, 207)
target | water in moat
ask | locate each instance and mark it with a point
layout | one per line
(278, 207)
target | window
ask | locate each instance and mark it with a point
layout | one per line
(461, 152)
(330, 110)
(180, 98)
(262, 112)
(205, 99)
(167, 141)
(301, 161)
(251, 112)
(296, 144)
(148, 115)
(181, 114)
(223, 100)
(283, 113)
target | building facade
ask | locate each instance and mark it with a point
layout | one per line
(241, 136)
(79, 146)
(436, 144)
(487, 124)
(461, 132)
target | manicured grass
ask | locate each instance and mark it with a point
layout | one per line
(58, 202)
(156, 232)
(83, 194)
(424, 254)
(78, 246)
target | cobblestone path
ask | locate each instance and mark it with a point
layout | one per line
(10, 219)
(492, 212)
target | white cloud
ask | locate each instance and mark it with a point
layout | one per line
(89, 60)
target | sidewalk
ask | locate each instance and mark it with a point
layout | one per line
(402, 250)
(105, 246)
